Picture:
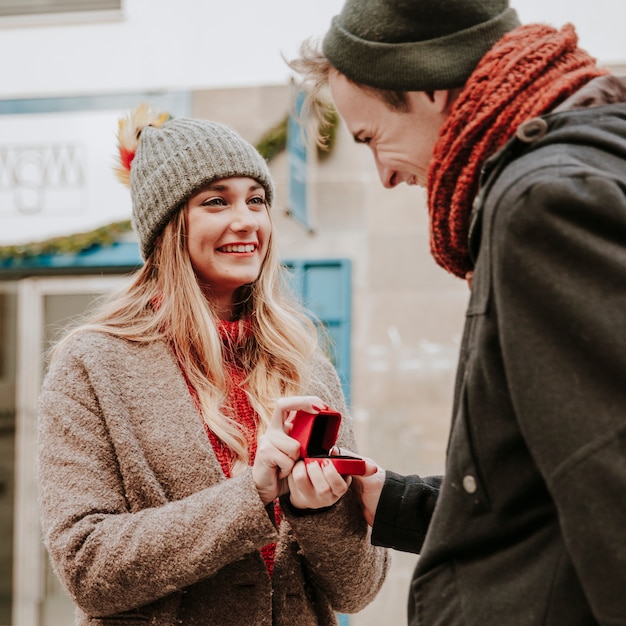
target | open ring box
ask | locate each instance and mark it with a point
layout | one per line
(317, 434)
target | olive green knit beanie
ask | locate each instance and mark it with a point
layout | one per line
(415, 45)
(177, 159)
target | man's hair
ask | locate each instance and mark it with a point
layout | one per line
(314, 71)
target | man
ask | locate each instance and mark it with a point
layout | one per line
(520, 140)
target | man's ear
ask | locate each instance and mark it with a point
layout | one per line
(444, 98)
(439, 101)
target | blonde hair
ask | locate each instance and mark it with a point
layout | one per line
(314, 71)
(164, 302)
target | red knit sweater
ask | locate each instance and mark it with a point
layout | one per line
(239, 406)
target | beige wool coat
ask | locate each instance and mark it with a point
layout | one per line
(141, 525)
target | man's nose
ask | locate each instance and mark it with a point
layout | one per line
(387, 176)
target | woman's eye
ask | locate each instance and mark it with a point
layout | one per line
(258, 200)
(216, 201)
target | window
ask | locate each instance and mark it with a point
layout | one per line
(38, 7)
(38, 12)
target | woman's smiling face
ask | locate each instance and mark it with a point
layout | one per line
(228, 233)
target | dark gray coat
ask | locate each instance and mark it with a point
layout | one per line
(528, 526)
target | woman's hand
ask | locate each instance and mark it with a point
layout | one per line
(277, 452)
(316, 485)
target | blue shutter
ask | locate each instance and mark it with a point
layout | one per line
(325, 286)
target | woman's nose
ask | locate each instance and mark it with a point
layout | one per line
(244, 218)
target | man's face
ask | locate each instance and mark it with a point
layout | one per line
(402, 142)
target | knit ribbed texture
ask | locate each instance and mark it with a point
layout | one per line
(529, 72)
(243, 413)
(178, 159)
(415, 45)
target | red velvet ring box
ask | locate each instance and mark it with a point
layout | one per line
(317, 434)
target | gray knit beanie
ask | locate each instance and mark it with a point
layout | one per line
(179, 158)
(415, 45)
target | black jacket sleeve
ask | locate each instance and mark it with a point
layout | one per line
(404, 510)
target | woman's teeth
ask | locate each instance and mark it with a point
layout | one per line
(249, 247)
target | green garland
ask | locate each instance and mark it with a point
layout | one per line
(70, 244)
(274, 141)
(271, 144)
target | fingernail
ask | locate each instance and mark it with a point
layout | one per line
(320, 408)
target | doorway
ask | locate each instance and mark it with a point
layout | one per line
(43, 308)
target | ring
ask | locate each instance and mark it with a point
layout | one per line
(334, 451)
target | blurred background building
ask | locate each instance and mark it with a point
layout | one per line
(359, 254)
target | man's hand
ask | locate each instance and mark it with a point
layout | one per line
(368, 487)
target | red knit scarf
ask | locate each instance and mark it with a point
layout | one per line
(528, 72)
(238, 405)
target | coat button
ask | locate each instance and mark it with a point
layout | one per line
(469, 484)
(531, 130)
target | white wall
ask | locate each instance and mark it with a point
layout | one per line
(187, 44)
(161, 44)
(159, 47)
(599, 23)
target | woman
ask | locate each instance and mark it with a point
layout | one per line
(171, 492)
